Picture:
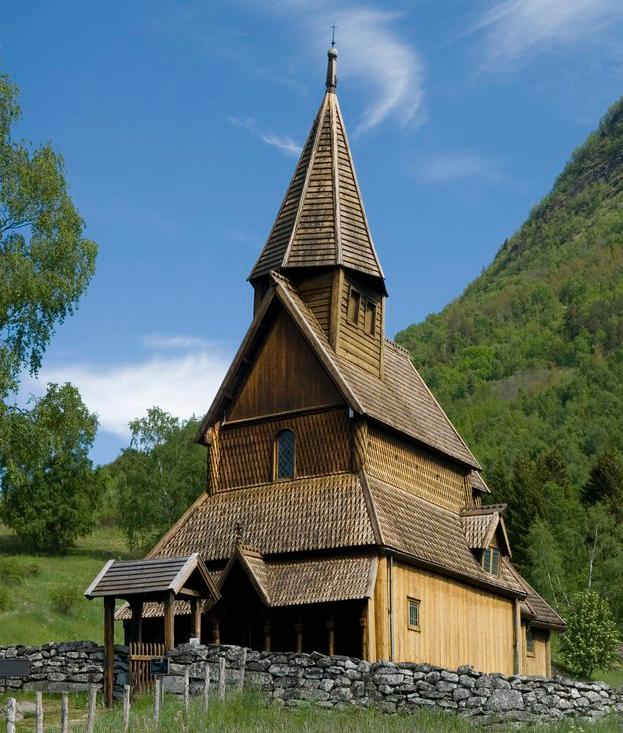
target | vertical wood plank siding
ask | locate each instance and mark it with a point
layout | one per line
(316, 292)
(246, 451)
(353, 342)
(401, 463)
(459, 624)
(540, 662)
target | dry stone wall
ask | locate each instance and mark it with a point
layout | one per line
(64, 667)
(339, 682)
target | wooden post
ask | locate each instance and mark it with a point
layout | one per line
(517, 637)
(221, 678)
(157, 695)
(10, 715)
(39, 713)
(109, 649)
(64, 712)
(216, 631)
(364, 633)
(186, 688)
(92, 708)
(206, 688)
(136, 625)
(267, 635)
(195, 605)
(243, 665)
(169, 621)
(331, 630)
(298, 627)
(126, 707)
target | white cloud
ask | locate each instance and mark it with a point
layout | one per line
(156, 341)
(182, 384)
(518, 29)
(283, 143)
(447, 167)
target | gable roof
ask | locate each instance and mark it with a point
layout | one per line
(125, 578)
(400, 399)
(481, 524)
(322, 221)
(534, 607)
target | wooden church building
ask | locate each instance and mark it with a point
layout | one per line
(343, 513)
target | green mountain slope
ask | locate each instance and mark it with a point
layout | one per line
(530, 357)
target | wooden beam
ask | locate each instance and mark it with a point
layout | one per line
(364, 631)
(109, 648)
(216, 630)
(517, 637)
(189, 592)
(169, 621)
(331, 630)
(298, 628)
(267, 634)
(195, 605)
(136, 625)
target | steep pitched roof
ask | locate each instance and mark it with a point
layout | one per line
(481, 524)
(322, 220)
(535, 608)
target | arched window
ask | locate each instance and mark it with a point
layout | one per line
(285, 448)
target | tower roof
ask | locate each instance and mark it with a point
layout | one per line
(322, 221)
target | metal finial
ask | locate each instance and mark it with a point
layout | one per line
(333, 27)
(332, 64)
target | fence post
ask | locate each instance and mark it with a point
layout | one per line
(92, 708)
(243, 664)
(206, 688)
(221, 678)
(10, 715)
(157, 687)
(126, 707)
(64, 712)
(39, 712)
(186, 688)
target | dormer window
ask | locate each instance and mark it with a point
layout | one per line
(354, 304)
(370, 317)
(285, 450)
(491, 561)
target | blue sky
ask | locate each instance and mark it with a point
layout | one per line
(180, 124)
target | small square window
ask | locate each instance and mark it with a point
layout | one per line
(414, 614)
(370, 317)
(354, 304)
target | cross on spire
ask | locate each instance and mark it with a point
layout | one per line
(333, 27)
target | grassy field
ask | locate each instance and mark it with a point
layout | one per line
(250, 713)
(32, 616)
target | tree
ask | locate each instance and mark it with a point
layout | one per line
(45, 262)
(591, 640)
(158, 476)
(49, 490)
(605, 482)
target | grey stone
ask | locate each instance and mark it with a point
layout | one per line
(501, 700)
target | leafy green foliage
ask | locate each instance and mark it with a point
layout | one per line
(65, 598)
(45, 262)
(591, 639)
(158, 476)
(49, 490)
(528, 363)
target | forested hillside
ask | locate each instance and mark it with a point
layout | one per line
(528, 362)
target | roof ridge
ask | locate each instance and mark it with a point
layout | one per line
(398, 347)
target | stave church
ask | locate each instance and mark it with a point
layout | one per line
(343, 513)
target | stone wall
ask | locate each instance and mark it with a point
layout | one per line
(295, 679)
(64, 667)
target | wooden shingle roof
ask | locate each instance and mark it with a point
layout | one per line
(534, 607)
(480, 525)
(322, 221)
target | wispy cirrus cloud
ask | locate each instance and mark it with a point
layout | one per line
(283, 143)
(516, 30)
(181, 375)
(460, 165)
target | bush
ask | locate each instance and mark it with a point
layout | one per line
(11, 573)
(591, 639)
(64, 599)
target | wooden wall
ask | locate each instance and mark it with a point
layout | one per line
(244, 455)
(286, 376)
(316, 292)
(352, 340)
(459, 624)
(540, 662)
(402, 463)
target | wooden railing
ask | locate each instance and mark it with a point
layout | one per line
(140, 654)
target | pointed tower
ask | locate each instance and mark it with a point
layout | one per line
(321, 240)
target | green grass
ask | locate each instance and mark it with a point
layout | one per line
(250, 713)
(31, 617)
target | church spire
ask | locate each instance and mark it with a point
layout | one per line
(322, 221)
